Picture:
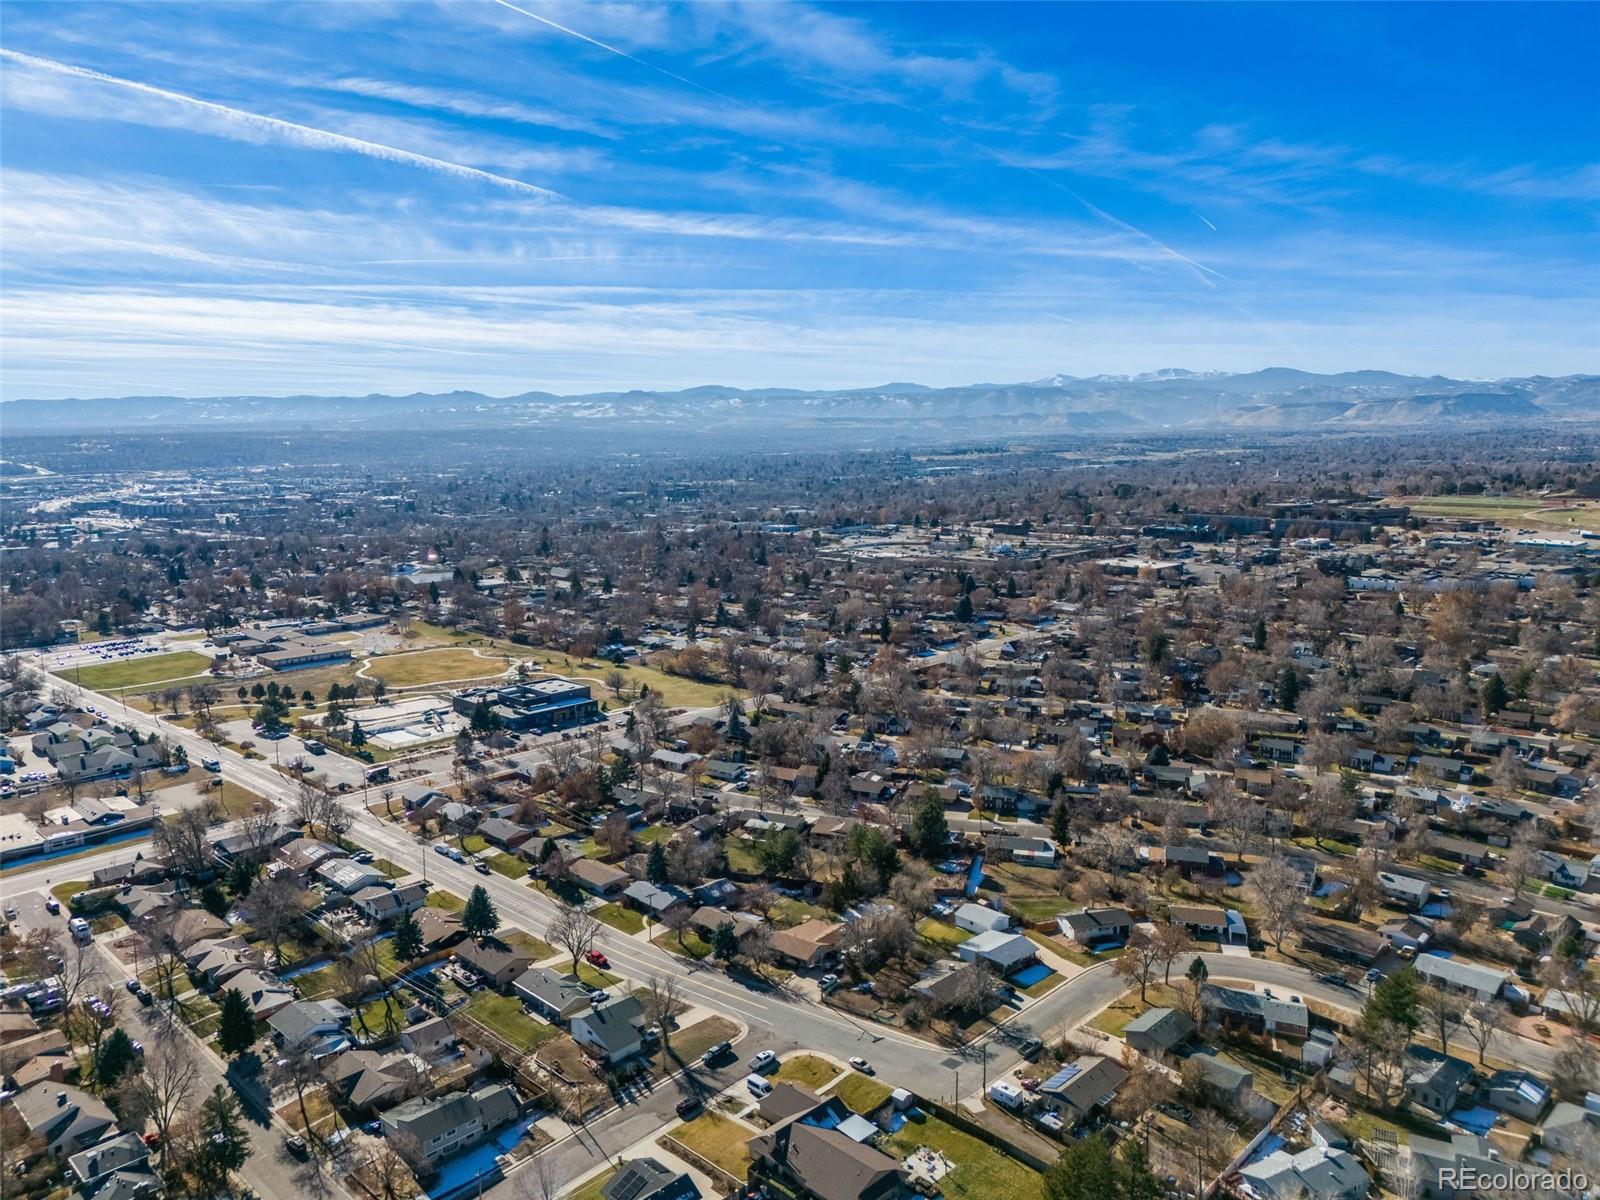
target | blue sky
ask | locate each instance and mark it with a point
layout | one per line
(229, 198)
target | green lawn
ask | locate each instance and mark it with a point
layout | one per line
(941, 933)
(719, 1140)
(861, 1093)
(139, 672)
(594, 977)
(981, 1172)
(392, 870)
(619, 917)
(527, 944)
(64, 892)
(685, 944)
(1114, 1018)
(506, 1016)
(386, 1014)
(788, 912)
(741, 856)
(654, 833)
(808, 1070)
(417, 667)
(448, 901)
(508, 865)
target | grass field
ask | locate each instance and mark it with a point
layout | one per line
(721, 1141)
(448, 901)
(675, 692)
(862, 1094)
(981, 1171)
(139, 672)
(1556, 513)
(807, 1070)
(506, 1017)
(413, 668)
(618, 917)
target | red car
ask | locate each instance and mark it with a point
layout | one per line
(595, 958)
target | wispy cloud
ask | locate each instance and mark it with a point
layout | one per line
(217, 118)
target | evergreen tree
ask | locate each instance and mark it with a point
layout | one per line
(1494, 694)
(214, 900)
(884, 628)
(114, 1059)
(964, 609)
(1061, 824)
(1394, 1001)
(358, 735)
(407, 938)
(930, 832)
(724, 942)
(1085, 1171)
(1288, 689)
(479, 917)
(1197, 973)
(656, 867)
(223, 1145)
(236, 1031)
(1259, 640)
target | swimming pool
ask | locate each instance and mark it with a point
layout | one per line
(1029, 976)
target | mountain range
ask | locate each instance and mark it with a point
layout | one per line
(1277, 398)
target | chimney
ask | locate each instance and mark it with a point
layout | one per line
(61, 1099)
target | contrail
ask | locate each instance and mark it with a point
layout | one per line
(1201, 270)
(1208, 224)
(306, 135)
(650, 66)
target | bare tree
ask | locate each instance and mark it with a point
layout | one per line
(277, 905)
(1171, 942)
(661, 1003)
(165, 1085)
(1282, 897)
(1481, 1022)
(1139, 960)
(543, 1178)
(575, 931)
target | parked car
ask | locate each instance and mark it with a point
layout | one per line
(595, 958)
(52, 905)
(828, 983)
(1030, 1049)
(861, 1065)
(296, 1145)
(361, 856)
(715, 1054)
(481, 866)
(763, 1061)
(687, 1107)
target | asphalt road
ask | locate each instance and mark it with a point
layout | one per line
(775, 1019)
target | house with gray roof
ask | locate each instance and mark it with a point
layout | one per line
(437, 1127)
(613, 1030)
(1093, 927)
(64, 1118)
(1157, 1030)
(1435, 1081)
(550, 994)
(1083, 1086)
(115, 1169)
(1463, 1154)
(383, 902)
(655, 899)
(319, 1024)
(1460, 975)
(1315, 1173)
(822, 1149)
(646, 1179)
(1256, 1012)
(1518, 1093)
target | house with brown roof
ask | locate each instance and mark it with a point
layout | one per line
(598, 878)
(823, 1150)
(809, 942)
(496, 963)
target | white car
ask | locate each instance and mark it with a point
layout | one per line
(762, 1061)
(861, 1065)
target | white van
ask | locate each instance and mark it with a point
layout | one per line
(79, 928)
(758, 1086)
